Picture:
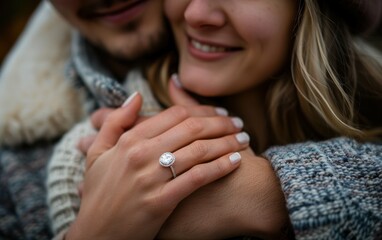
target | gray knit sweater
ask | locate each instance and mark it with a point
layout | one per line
(333, 188)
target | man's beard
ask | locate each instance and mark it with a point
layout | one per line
(156, 45)
(119, 62)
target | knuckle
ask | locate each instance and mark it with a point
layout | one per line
(141, 181)
(197, 176)
(193, 126)
(199, 148)
(179, 112)
(230, 143)
(125, 140)
(135, 156)
(227, 124)
(221, 167)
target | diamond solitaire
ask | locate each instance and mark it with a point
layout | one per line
(167, 159)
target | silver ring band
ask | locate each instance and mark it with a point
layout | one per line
(167, 159)
(173, 171)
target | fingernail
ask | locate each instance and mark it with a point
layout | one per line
(237, 122)
(128, 101)
(221, 111)
(235, 158)
(175, 80)
(242, 137)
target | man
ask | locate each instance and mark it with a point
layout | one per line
(123, 32)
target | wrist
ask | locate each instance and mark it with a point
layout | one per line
(265, 214)
(275, 218)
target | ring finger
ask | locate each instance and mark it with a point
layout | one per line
(202, 151)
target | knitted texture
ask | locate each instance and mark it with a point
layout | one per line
(65, 171)
(333, 189)
(23, 210)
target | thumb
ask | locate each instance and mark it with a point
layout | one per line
(178, 95)
(98, 117)
(116, 123)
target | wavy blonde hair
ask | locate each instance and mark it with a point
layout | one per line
(333, 87)
(335, 81)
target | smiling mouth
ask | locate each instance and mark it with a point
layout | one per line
(105, 11)
(208, 48)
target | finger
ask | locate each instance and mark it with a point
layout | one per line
(114, 126)
(99, 117)
(193, 129)
(85, 143)
(178, 95)
(202, 151)
(182, 186)
(171, 117)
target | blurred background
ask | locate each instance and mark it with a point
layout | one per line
(15, 14)
(13, 17)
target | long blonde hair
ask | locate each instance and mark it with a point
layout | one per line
(335, 81)
(333, 87)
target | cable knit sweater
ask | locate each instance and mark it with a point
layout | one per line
(332, 188)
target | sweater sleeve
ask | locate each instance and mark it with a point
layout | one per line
(333, 189)
(65, 171)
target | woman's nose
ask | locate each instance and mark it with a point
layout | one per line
(205, 13)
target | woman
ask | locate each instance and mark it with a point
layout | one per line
(316, 99)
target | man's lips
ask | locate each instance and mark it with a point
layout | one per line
(103, 10)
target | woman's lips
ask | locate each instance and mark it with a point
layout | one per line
(117, 14)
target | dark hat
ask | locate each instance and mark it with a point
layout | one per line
(362, 16)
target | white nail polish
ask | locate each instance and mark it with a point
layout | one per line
(128, 101)
(175, 79)
(235, 158)
(237, 122)
(242, 137)
(221, 111)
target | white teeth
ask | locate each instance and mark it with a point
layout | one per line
(207, 48)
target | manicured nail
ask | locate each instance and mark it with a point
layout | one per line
(221, 111)
(242, 137)
(237, 122)
(176, 81)
(128, 101)
(235, 158)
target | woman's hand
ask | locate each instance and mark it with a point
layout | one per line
(247, 202)
(127, 193)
